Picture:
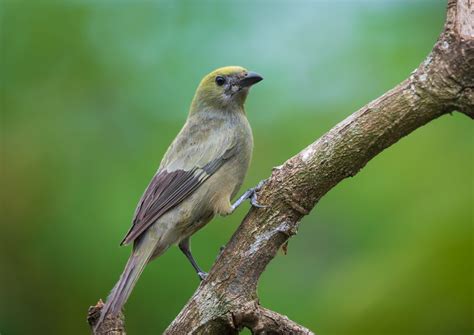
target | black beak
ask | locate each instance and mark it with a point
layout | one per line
(250, 79)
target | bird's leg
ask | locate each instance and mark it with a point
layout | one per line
(251, 194)
(186, 249)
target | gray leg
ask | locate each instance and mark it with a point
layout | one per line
(185, 248)
(251, 194)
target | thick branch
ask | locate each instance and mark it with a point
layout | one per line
(227, 301)
(441, 84)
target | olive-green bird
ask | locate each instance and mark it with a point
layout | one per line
(200, 173)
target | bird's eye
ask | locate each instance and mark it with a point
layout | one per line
(220, 81)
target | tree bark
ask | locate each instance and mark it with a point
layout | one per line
(227, 301)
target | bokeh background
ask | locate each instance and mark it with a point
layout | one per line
(92, 93)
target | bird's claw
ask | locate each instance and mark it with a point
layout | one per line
(251, 194)
(202, 275)
(253, 201)
(253, 197)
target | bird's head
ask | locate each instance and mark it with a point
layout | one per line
(226, 87)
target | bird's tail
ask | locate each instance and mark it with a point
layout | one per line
(121, 291)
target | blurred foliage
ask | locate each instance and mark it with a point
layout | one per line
(94, 91)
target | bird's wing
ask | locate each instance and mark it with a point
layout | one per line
(168, 189)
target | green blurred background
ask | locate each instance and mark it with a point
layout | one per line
(94, 91)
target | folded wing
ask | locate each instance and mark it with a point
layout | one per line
(167, 190)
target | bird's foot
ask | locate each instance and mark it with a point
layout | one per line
(253, 197)
(202, 275)
(251, 194)
(254, 202)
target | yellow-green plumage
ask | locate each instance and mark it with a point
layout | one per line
(200, 173)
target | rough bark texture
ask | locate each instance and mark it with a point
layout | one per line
(110, 326)
(227, 301)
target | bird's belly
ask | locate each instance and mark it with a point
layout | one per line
(225, 184)
(184, 220)
(197, 210)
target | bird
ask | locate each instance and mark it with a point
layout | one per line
(199, 175)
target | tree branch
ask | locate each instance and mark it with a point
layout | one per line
(227, 300)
